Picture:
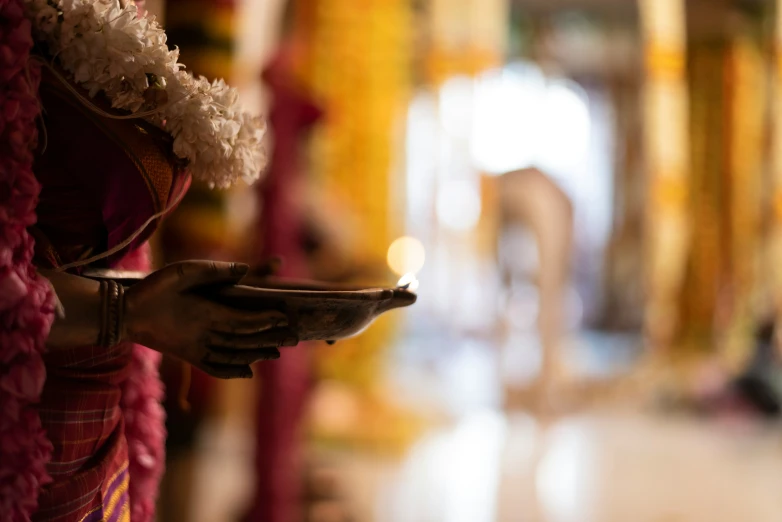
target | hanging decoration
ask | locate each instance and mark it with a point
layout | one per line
(357, 66)
(205, 32)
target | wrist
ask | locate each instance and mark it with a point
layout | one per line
(132, 324)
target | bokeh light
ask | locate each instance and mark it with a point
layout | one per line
(406, 255)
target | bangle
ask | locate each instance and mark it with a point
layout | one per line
(112, 313)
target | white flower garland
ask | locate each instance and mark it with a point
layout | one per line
(115, 50)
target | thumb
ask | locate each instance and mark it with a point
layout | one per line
(192, 274)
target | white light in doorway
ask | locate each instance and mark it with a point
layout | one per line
(459, 205)
(456, 99)
(564, 132)
(508, 106)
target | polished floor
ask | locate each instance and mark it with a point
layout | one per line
(491, 466)
(602, 464)
(594, 468)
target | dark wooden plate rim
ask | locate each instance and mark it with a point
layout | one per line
(278, 288)
(369, 294)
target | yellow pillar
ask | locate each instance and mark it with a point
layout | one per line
(466, 37)
(745, 164)
(775, 236)
(708, 208)
(666, 148)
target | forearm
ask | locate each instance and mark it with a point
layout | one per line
(82, 303)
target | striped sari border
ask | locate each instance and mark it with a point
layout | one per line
(117, 497)
(96, 515)
(118, 482)
(118, 507)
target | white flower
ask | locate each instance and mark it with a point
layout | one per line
(112, 49)
(46, 18)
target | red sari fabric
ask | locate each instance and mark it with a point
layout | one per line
(284, 386)
(90, 207)
(80, 411)
(92, 394)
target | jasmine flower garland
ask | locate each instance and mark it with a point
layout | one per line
(113, 49)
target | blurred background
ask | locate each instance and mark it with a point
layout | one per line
(587, 196)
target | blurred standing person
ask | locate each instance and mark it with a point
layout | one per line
(531, 199)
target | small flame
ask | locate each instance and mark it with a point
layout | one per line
(408, 282)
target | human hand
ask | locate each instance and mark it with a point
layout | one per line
(164, 313)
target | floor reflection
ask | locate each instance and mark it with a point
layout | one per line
(596, 468)
(485, 464)
(454, 475)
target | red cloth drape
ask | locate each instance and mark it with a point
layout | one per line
(283, 385)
